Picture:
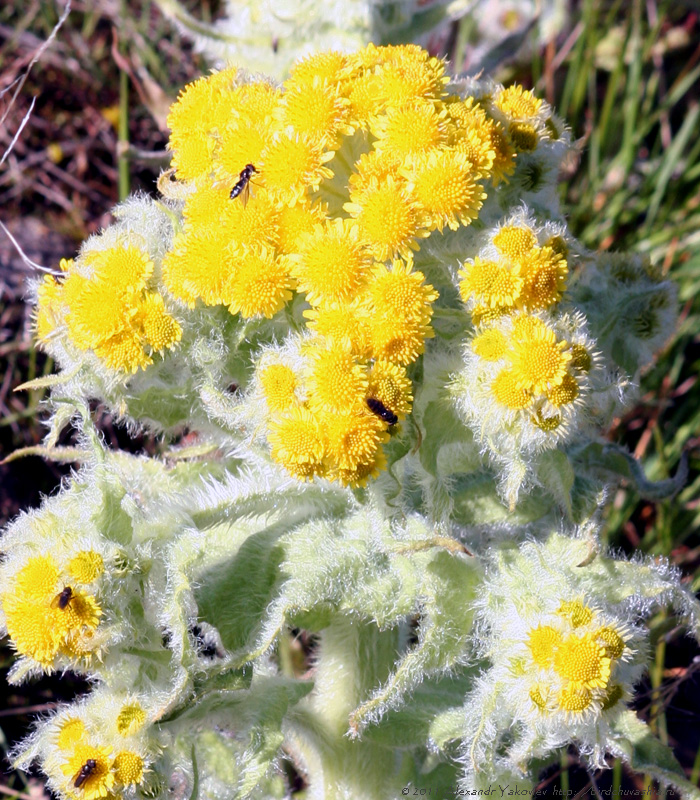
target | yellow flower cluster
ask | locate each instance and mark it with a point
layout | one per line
(91, 770)
(573, 661)
(540, 373)
(523, 275)
(47, 614)
(108, 308)
(526, 119)
(326, 186)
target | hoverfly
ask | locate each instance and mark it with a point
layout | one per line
(378, 408)
(62, 599)
(84, 772)
(242, 187)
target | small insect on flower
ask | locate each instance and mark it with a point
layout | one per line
(62, 599)
(242, 187)
(378, 408)
(84, 772)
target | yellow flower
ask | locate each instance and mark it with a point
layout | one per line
(86, 566)
(326, 67)
(336, 382)
(400, 293)
(39, 625)
(360, 474)
(390, 384)
(409, 129)
(315, 109)
(543, 642)
(353, 439)
(130, 719)
(508, 392)
(48, 312)
(128, 768)
(574, 699)
(563, 394)
(333, 262)
(298, 442)
(491, 345)
(293, 221)
(279, 384)
(110, 312)
(523, 136)
(341, 324)
(539, 361)
(515, 241)
(583, 662)
(444, 182)
(388, 217)
(293, 163)
(260, 284)
(544, 274)
(70, 733)
(91, 768)
(518, 103)
(576, 612)
(199, 266)
(491, 283)
(614, 643)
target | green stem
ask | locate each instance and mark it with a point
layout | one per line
(123, 133)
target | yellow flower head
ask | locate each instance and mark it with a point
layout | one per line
(354, 438)
(49, 302)
(444, 183)
(293, 221)
(333, 262)
(508, 392)
(336, 381)
(43, 615)
(298, 442)
(292, 163)
(410, 130)
(130, 719)
(259, 284)
(518, 103)
(128, 768)
(543, 643)
(279, 384)
(343, 325)
(515, 241)
(315, 109)
(389, 219)
(491, 344)
(70, 733)
(538, 360)
(544, 274)
(583, 662)
(491, 283)
(91, 769)
(390, 384)
(324, 67)
(86, 566)
(576, 612)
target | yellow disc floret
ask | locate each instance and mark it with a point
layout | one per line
(336, 381)
(543, 642)
(130, 719)
(333, 262)
(279, 384)
(298, 442)
(128, 768)
(86, 566)
(583, 662)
